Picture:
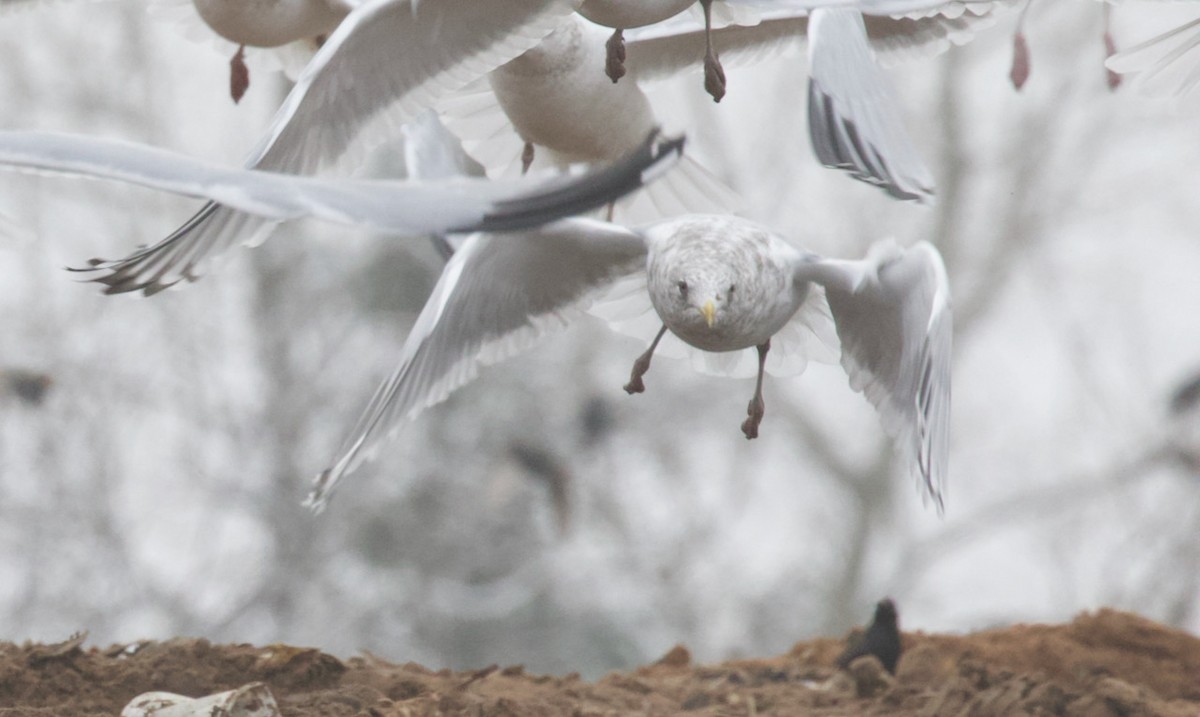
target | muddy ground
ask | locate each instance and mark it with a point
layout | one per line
(1105, 664)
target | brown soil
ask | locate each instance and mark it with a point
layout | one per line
(1105, 664)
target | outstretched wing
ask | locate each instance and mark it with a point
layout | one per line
(385, 63)
(667, 48)
(497, 296)
(457, 204)
(854, 121)
(893, 317)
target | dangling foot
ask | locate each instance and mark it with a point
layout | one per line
(239, 75)
(642, 365)
(1110, 48)
(714, 74)
(614, 62)
(757, 407)
(526, 157)
(1019, 73)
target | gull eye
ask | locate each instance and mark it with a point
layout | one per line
(682, 287)
(732, 287)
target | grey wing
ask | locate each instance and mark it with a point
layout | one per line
(893, 317)
(385, 63)
(448, 205)
(667, 48)
(1166, 64)
(853, 119)
(497, 296)
(893, 8)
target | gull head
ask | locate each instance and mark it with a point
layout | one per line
(698, 302)
(717, 285)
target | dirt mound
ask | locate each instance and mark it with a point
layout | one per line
(1100, 665)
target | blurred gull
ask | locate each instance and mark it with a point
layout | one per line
(269, 23)
(387, 61)
(553, 99)
(552, 103)
(721, 284)
(461, 204)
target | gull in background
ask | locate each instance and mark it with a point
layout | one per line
(553, 104)
(721, 284)
(384, 64)
(552, 98)
(269, 24)
(452, 205)
(272, 24)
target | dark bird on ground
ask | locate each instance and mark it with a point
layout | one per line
(881, 639)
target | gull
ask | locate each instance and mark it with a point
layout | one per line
(552, 102)
(720, 284)
(268, 23)
(255, 23)
(384, 64)
(553, 98)
(454, 205)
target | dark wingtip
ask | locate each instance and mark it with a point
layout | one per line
(575, 195)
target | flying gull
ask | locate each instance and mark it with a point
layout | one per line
(720, 284)
(384, 64)
(553, 104)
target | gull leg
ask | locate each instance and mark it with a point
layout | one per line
(1110, 48)
(526, 157)
(612, 207)
(239, 75)
(614, 61)
(1019, 73)
(714, 74)
(642, 365)
(757, 408)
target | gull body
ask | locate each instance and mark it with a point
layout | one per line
(553, 104)
(500, 293)
(557, 99)
(271, 23)
(624, 14)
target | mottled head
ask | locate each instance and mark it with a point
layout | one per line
(719, 283)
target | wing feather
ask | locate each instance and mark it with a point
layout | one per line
(497, 296)
(893, 318)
